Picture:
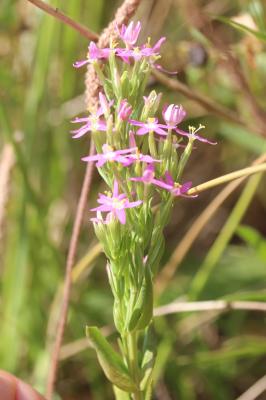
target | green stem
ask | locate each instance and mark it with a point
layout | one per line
(132, 346)
(152, 145)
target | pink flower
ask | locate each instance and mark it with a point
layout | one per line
(94, 53)
(152, 51)
(129, 34)
(105, 105)
(140, 157)
(127, 54)
(192, 134)
(174, 188)
(173, 115)
(150, 126)
(137, 53)
(116, 205)
(124, 110)
(93, 124)
(147, 177)
(109, 154)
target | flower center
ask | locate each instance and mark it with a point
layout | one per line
(119, 204)
(151, 123)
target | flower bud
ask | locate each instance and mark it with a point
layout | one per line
(124, 110)
(173, 115)
(151, 104)
(129, 34)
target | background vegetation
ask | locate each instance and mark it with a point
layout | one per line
(221, 83)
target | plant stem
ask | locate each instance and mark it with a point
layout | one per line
(55, 12)
(132, 346)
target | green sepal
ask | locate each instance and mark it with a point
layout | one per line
(143, 309)
(110, 361)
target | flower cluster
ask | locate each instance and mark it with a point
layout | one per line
(141, 158)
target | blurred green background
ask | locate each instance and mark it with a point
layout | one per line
(210, 355)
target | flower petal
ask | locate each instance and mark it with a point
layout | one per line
(121, 215)
(142, 131)
(79, 64)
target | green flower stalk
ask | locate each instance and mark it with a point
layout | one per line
(141, 161)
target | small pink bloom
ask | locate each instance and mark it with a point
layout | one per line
(152, 51)
(91, 125)
(173, 115)
(192, 135)
(92, 122)
(124, 110)
(150, 126)
(105, 105)
(174, 188)
(129, 34)
(94, 53)
(140, 157)
(137, 53)
(116, 205)
(147, 177)
(127, 54)
(109, 154)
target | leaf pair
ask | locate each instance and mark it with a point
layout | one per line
(110, 361)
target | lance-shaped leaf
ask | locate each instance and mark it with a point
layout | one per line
(143, 309)
(110, 361)
(147, 368)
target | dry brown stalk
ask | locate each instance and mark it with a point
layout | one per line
(123, 14)
(199, 98)
(255, 390)
(210, 305)
(55, 12)
(195, 15)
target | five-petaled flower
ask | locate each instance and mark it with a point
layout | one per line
(174, 188)
(138, 156)
(109, 154)
(137, 53)
(192, 134)
(147, 176)
(116, 204)
(151, 125)
(93, 124)
(94, 54)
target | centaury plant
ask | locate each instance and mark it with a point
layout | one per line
(142, 162)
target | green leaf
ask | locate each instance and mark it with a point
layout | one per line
(258, 34)
(120, 394)
(143, 309)
(242, 137)
(254, 239)
(147, 368)
(110, 361)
